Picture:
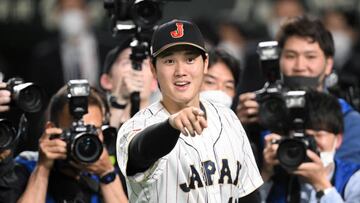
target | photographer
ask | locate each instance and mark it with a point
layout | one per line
(10, 190)
(58, 175)
(321, 179)
(119, 79)
(306, 59)
(221, 78)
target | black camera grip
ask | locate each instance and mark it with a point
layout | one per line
(135, 102)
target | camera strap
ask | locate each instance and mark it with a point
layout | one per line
(293, 194)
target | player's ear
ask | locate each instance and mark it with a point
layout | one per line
(153, 69)
(105, 82)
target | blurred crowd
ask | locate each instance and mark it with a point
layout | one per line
(50, 42)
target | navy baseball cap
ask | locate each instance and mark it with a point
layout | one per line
(176, 32)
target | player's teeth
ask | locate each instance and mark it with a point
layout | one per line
(180, 83)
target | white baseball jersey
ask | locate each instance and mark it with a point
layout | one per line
(216, 166)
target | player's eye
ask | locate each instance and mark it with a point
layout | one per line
(169, 61)
(190, 59)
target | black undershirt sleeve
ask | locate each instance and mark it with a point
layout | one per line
(149, 145)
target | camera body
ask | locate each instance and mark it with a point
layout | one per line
(271, 101)
(25, 95)
(82, 141)
(293, 145)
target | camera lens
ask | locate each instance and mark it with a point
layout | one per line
(28, 97)
(272, 113)
(291, 153)
(87, 147)
(146, 13)
(7, 134)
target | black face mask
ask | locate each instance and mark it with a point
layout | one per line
(301, 82)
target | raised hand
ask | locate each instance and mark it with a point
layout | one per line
(247, 109)
(189, 121)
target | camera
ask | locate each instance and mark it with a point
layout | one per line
(127, 14)
(272, 107)
(293, 145)
(282, 111)
(25, 95)
(82, 141)
(292, 150)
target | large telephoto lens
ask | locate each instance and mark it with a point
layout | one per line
(28, 97)
(87, 147)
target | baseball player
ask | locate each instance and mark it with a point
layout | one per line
(181, 149)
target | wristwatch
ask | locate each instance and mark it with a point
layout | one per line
(115, 104)
(108, 178)
(319, 194)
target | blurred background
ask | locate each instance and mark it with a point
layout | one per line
(50, 41)
(33, 31)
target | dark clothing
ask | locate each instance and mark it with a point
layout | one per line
(11, 186)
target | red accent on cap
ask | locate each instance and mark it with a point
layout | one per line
(179, 32)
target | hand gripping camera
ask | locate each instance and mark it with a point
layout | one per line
(26, 96)
(83, 143)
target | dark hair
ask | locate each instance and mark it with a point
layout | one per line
(324, 112)
(59, 101)
(114, 53)
(304, 26)
(220, 55)
(202, 53)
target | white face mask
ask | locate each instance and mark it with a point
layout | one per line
(342, 43)
(327, 158)
(216, 96)
(72, 23)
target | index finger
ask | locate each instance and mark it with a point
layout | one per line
(270, 138)
(197, 111)
(247, 96)
(313, 156)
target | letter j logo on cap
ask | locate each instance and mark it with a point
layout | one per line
(179, 32)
